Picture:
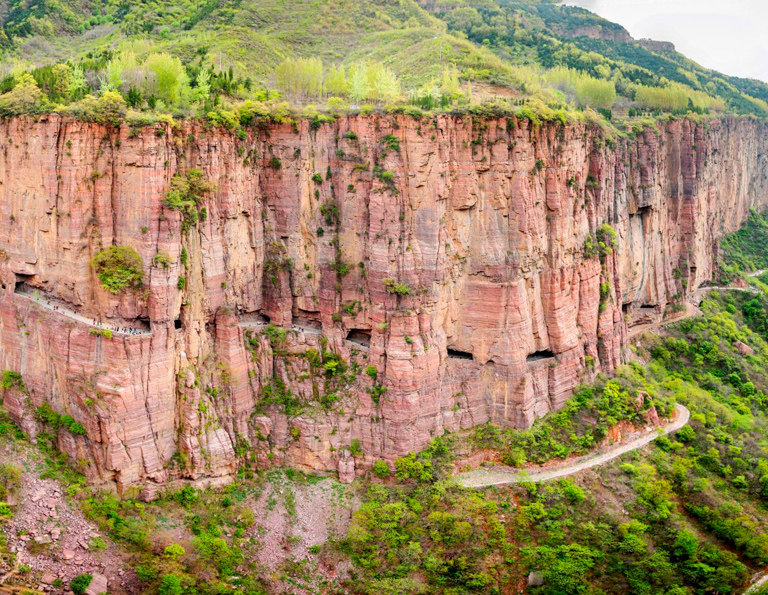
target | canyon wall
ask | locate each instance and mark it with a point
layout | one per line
(349, 290)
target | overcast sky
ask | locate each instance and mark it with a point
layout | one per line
(727, 35)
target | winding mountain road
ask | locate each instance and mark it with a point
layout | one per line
(501, 475)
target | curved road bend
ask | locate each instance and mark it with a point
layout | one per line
(500, 475)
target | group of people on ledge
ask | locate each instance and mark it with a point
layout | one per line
(95, 322)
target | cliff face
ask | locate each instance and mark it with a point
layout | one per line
(488, 231)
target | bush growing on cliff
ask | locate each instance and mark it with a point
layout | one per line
(185, 194)
(118, 268)
(102, 332)
(393, 286)
(12, 381)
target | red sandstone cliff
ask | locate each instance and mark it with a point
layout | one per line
(486, 222)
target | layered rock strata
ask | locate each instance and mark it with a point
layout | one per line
(350, 290)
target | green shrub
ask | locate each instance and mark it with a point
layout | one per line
(174, 551)
(391, 142)
(118, 268)
(185, 194)
(381, 469)
(12, 381)
(80, 583)
(393, 286)
(101, 332)
(170, 585)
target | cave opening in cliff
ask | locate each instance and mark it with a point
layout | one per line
(360, 337)
(22, 281)
(626, 307)
(177, 323)
(456, 354)
(540, 355)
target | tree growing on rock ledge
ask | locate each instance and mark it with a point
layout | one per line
(118, 268)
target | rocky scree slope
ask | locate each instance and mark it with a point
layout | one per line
(417, 276)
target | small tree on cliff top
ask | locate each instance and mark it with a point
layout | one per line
(118, 268)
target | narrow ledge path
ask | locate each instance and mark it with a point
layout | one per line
(57, 308)
(501, 475)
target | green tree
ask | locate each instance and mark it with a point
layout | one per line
(25, 98)
(77, 83)
(300, 77)
(118, 268)
(336, 81)
(172, 80)
(358, 82)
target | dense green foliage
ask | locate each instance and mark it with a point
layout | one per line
(118, 268)
(80, 583)
(206, 59)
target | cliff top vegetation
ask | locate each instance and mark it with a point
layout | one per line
(105, 59)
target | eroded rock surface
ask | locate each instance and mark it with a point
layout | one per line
(507, 303)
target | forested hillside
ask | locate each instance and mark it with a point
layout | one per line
(207, 58)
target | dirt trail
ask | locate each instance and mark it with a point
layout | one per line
(500, 475)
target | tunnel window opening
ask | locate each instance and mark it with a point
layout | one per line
(360, 337)
(304, 322)
(22, 281)
(626, 308)
(540, 355)
(177, 323)
(647, 307)
(456, 354)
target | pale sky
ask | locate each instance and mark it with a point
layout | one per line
(728, 35)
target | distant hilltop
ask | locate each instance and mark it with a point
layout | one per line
(656, 46)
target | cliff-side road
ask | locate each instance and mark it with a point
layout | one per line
(500, 475)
